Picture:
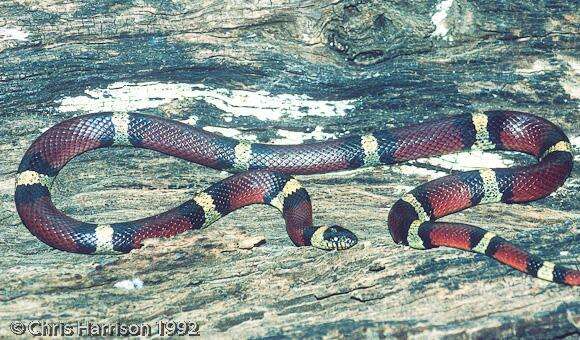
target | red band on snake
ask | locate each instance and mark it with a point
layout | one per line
(265, 178)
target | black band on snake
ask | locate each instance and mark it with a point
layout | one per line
(264, 177)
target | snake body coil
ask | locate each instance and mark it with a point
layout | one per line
(265, 178)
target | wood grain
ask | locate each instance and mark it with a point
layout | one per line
(311, 68)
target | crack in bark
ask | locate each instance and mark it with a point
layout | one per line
(326, 296)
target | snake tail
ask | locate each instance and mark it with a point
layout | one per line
(412, 218)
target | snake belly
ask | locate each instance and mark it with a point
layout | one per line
(265, 178)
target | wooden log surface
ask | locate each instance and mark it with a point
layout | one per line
(286, 71)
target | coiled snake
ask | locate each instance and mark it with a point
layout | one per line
(264, 177)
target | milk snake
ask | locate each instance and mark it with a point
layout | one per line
(264, 177)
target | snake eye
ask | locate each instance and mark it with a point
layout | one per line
(335, 228)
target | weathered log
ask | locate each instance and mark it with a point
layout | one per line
(286, 71)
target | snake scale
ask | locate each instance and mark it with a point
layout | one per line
(263, 175)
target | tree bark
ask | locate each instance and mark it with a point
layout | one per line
(286, 71)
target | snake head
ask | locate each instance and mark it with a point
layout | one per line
(333, 238)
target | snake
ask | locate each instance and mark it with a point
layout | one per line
(264, 174)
